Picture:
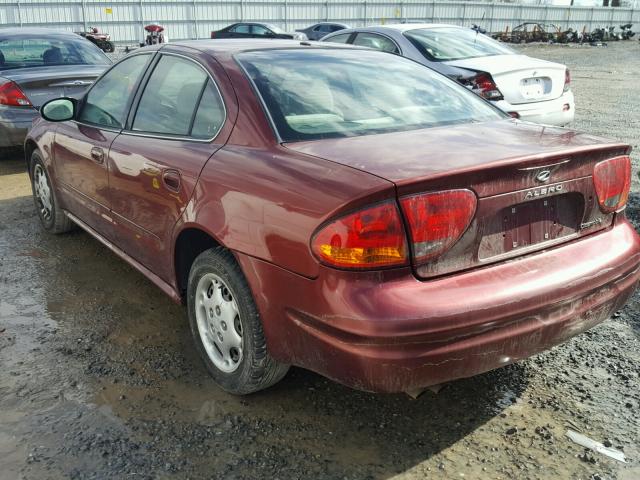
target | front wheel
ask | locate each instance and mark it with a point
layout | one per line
(226, 325)
(108, 47)
(52, 217)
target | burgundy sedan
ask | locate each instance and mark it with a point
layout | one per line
(339, 209)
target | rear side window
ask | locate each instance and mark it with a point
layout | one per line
(106, 102)
(377, 42)
(259, 30)
(38, 52)
(170, 97)
(453, 43)
(344, 38)
(179, 99)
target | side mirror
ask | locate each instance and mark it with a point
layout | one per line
(59, 110)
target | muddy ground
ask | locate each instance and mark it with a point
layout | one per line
(99, 378)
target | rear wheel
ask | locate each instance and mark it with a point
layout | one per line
(226, 325)
(52, 218)
(108, 47)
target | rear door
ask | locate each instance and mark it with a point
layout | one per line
(81, 147)
(177, 122)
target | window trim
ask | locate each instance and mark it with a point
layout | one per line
(127, 107)
(127, 130)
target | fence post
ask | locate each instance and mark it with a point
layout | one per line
(141, 18)
(611, 16)
(365, 13)
(194, 15)
(568, 17)
(326, 10)
(19, 13)
(286, 22)
(492, 15)
(464, 13)
(433, 11)
(591, 19)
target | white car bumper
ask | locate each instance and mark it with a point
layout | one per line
(559, 112)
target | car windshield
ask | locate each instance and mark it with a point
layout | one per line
(25, 52)
(451, 43)
(313, 94)
(274, 29)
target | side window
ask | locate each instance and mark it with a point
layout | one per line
(170, 97)
(259, 30)
(335, 28)
(106, 102)
(210, 115)
(343, 38)
(241, 28)
(377, 42)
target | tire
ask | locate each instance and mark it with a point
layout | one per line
(235, 355)
(52, 217)
(109, 47)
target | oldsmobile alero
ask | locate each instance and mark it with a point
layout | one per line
(339, 209)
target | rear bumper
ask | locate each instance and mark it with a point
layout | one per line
(389, 332)
(552, 112)
(14, 125)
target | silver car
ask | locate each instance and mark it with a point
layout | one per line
(36, 65)
(319, 30)
(524, 87)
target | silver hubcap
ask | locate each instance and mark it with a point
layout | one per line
(219, 323)
(42, 191)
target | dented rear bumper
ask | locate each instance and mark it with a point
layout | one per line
(389, 332)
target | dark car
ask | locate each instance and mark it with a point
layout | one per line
(382, 226)
(319, 30)
(36, 65)
(256, 30)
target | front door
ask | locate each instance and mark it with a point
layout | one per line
(81, 147)
(175, 126)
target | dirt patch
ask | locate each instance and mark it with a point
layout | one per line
(99, 378)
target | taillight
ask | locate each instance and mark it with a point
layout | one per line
(12, 96)
(213, 34)
(612, 180)
(369, 238)
(567, 80)
(437, 221)
(483, 85)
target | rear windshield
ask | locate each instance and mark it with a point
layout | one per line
(450, 43)
(312, 94)
(20, 52)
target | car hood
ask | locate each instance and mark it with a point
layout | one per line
(499, 64)
(411, 156)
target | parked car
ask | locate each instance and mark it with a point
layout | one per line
(319, 30)
(256, 30)
(382, 226)
(38, 64)
(525, 87)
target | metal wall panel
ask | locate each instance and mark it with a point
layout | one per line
(124, 19)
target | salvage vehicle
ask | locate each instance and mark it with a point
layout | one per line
(319, 30)
(101, 40)
(383, 226)
(37, 64)
(256, 30)
(524, 87)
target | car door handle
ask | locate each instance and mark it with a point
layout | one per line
(171, 180)
(97, 154)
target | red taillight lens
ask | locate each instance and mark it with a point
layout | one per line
(12, 96)
(612, 179)
(437, 220)
(483, 85)
(567, 80)
(370, 238)
(213, 34)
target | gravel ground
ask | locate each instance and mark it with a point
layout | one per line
(99, 379)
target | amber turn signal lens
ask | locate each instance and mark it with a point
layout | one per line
(369, 238)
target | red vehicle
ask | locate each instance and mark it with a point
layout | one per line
(382, 226)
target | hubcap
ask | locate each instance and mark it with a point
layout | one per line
(42, 191)
(219, 323)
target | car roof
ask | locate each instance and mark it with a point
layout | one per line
(401, 27)
(35, 31)
(236, 45)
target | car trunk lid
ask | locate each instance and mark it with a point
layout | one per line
(520, 78)
(41, 84)
(534, 183)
